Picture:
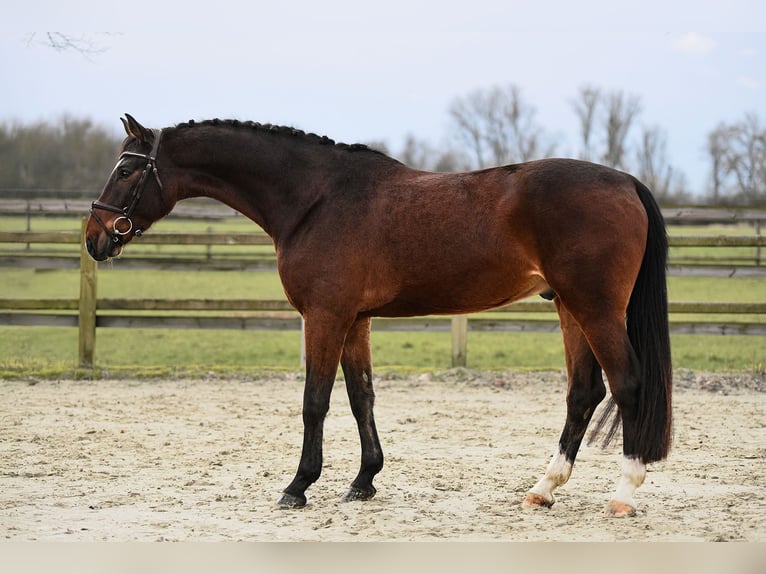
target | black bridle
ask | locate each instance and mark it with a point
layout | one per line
(118, 230)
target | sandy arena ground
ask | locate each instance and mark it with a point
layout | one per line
(199, 460)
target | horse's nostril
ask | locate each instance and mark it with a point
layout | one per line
(90, 245)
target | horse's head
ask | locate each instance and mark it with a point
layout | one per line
(133, 197)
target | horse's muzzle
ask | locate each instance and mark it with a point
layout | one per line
(102, 248)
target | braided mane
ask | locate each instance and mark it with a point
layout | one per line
(278, 130)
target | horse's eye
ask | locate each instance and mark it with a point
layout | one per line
(123, 173)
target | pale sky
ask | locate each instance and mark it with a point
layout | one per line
(377, 71)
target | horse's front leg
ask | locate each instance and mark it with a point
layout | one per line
(324, 336)
(357, 369)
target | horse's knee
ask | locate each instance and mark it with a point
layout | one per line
(315, 410)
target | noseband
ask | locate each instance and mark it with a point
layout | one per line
(116, 234)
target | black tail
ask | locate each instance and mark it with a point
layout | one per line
(647, 322)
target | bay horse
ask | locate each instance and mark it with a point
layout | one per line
(358, 234)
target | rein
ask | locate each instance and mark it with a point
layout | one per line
(119, 229)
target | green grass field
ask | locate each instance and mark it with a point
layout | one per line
(52, 351)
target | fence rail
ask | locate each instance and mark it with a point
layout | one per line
(88, 313)
(51, 203)
(260, 238)
(69, 202)
(57, 250)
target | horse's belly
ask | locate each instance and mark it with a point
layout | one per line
(459, 293)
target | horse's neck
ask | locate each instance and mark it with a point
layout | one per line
(255, 180)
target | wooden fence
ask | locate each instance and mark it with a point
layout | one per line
(218, 251)
(87, 312)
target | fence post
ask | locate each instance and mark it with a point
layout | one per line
(87, 317)
(460, 340)
(29, 220)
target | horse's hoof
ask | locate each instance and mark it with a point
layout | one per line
(291, 501)
(534, 500)
(355, 493)
(619, 509)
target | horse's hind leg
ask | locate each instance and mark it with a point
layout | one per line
(357, 369)
(585, 390)
(612, 346)
(607, 336)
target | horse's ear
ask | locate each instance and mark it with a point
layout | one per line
(136, 130)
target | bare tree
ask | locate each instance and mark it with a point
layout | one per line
(497, 127)
(738, 160)
(654, 169)
(616, 113)
(717, 145)
(85, 44)
(469, 117)
(586, 106)
(621, 110)
(746, 157)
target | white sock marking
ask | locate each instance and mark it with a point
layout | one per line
(633, 475)
(558, 473)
